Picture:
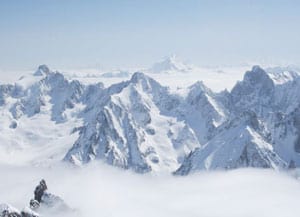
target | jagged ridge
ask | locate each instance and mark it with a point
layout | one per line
(140, 125)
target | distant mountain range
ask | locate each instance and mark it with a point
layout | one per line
(141, 125)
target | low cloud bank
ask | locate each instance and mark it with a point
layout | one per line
(99, 190)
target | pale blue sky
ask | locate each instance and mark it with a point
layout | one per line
(78, 33)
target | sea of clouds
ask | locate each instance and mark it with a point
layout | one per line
(99, 190)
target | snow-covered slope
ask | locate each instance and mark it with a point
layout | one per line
(239, 143)
(38, 113)
(128, 129)
(141, 125)
(266, 138)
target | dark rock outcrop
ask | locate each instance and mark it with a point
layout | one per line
(47, 201)
(43, 202)
(40, 190)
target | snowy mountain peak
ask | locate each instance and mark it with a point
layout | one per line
(42, 70)
(254, 93)
(199, 85)
(146, 83)
(169, 65)
(128, 130)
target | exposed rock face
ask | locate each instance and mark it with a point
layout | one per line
(44, 203)
(40, 190)
(42, 70)
(254, 93)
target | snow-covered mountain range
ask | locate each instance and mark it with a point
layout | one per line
(141, 125)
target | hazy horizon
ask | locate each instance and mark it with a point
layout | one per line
(101, 34)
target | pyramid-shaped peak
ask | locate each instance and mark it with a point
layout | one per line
(144, 81)
(198, 85)
(170, 64)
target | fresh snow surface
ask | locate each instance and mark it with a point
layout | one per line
(97, 190)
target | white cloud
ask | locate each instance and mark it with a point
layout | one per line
(105, 191)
